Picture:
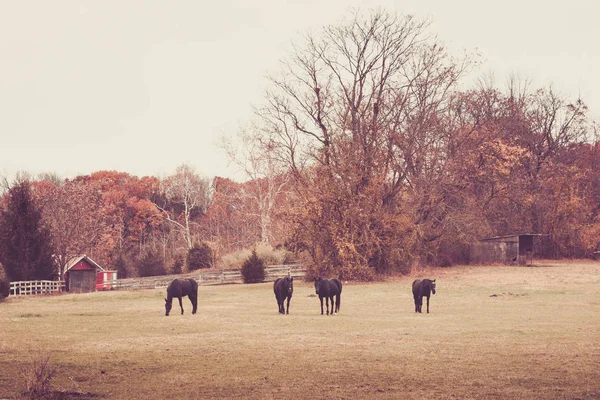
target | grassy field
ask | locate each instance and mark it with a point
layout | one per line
(493, 333)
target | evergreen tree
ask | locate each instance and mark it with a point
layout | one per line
(25, 245)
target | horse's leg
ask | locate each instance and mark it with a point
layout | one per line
(180, 304)
(288, 304)
(327, 304)
(320, 298)
(194, 301)
(427, 304)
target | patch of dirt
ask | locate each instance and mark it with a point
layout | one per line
(508, 294)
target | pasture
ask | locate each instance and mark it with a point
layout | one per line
(493, 333)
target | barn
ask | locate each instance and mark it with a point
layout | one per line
(80, 274)
(509, 249)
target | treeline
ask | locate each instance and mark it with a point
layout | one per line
(392, 164)
(139, 226)
(366, 157)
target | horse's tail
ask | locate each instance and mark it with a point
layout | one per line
(338, 296)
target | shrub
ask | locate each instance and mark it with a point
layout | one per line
(200, 256)
(253, 269)
(120, 264)
(151, 265)
(178, 264)
(269, 255)
(235, 259)
(38, 376)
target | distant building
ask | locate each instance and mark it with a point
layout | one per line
(81, 275)
(510, 249)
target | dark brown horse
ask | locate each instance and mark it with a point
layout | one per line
(328, 288)
(420, 289)
(283, 288)
(180, 288)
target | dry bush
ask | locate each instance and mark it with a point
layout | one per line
(38, 376)
(264, 251)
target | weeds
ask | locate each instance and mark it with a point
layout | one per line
(38, 376)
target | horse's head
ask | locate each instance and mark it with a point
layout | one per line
(317, 284)
(290, 284)
(168, 305)
(432, 286)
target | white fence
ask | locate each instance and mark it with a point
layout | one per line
(26, 288)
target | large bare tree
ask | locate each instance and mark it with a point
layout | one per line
(359, 109)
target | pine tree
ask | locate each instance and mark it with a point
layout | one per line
(25, 245)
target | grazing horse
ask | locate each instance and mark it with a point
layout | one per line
(180, 288)
(283, 288)
(422, 288)
(327, 288)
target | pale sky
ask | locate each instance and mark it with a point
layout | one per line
(144, 86)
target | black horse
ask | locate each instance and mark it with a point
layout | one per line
(283, 288)
(327, 288)
(422, 288)
(180, 288)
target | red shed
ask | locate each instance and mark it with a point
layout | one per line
(106, 280)
(80, 274)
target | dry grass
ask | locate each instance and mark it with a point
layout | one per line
(537, 338)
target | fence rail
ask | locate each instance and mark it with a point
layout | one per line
(27, 288)
(272, 272)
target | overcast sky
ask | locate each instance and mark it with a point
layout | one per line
(144, 86)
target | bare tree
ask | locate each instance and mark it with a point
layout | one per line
(359, 110)
(258, 156)
(186, 195)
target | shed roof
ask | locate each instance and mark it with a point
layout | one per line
(511, 236)
(72, 262)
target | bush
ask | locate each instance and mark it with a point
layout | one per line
(120, 264)
(270, 256)
(178, 264)
(253, 269)
(200, 256)
(151, 265)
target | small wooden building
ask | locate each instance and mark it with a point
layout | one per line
(106, 280)
(80, 275)
(510, 249)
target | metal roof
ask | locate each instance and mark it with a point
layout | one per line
(512, 236)
(73, 261)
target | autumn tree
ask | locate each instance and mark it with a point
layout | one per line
(185, 196)
(357, 114)
(259, 157)
(79, 221)
(230, 222)
(25, 243)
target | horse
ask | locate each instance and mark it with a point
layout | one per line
(327, 288)
(180, 288)
(422, 288)
(283, 288)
